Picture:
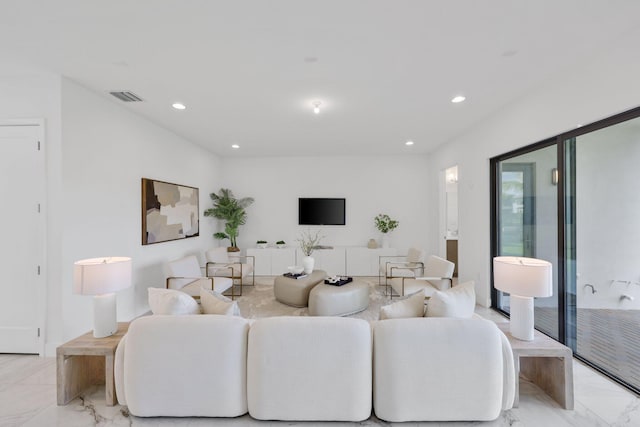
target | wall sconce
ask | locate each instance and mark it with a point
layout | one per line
(554, 176)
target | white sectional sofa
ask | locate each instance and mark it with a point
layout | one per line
(315, 368)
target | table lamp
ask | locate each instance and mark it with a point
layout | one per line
(102, 277)
(523, 278)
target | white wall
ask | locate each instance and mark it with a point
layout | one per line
(106, 150)
(587, 92)
(371, 185)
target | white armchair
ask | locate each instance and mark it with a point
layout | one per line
(410, 265)
(185, 275)
(438, 273)
(236, 267)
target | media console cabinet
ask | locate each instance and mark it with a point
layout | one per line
(343, 260)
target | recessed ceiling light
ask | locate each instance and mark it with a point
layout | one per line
(178, 106)
(316, 107)
(236, 146)
(458, 99)
(408, 143)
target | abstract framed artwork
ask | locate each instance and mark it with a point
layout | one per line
(169, 211)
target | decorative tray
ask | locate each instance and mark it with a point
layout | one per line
(339, 282)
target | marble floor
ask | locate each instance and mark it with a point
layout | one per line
(28, 398)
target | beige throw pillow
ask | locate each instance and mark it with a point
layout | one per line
(213, 302)
(459, 301)
(170, 301)
(412, 306)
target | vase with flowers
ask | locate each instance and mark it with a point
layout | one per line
(385, 224)
(308, 242)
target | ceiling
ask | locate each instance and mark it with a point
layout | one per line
(248, 71)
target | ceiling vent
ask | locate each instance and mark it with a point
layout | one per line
(126, 96)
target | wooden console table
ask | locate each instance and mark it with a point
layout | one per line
(85, 361)
(545, 362)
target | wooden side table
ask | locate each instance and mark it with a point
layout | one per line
(85, 361)
(544, 361)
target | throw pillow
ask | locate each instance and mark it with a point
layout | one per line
(412, 306)
(213, 302)
(459, 301)
(170, 301)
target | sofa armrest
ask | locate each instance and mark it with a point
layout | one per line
(118, 371)
(509, 376)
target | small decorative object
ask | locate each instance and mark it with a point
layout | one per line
(338, 280)
(308, 243)
(385, 224)
(169, 211)
(372, 244)
(262, 244)
(226, 207)
(295, 269)
(280, 244)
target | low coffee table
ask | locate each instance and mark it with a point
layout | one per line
(295, 292)
(330, 300)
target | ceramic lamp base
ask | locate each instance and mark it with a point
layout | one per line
(522, 317)
(104, 315)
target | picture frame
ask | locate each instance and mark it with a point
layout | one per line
(169, 211)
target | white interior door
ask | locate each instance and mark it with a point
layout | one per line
(21, 246)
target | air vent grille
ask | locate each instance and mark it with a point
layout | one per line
(126, 96)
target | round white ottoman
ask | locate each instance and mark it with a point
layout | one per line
(295, 292)
(329, 300)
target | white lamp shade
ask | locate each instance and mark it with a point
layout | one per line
(526, 277)
(97, 276)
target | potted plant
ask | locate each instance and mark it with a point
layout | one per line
(231, 210)
(280, 244)
(385, 224)
(262, 244)
(308, 243)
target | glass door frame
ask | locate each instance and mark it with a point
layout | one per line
(566, 165)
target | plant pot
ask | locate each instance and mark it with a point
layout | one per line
(280, 245)
(308, 263)
(261, 245)
(385, 240)
(233, 249)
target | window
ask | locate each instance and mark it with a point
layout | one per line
(573, 200)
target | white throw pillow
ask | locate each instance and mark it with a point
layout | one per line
(170, 301)
(459, 301)
(213, 302)
(412, 306)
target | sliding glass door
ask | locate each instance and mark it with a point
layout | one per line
(606, 254)
(574, 200)
(527, 220)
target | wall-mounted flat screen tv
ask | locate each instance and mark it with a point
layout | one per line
(314, 211)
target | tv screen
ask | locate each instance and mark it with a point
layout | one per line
(321, 211)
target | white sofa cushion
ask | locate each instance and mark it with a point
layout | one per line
(309, 369)
(412, 306)
(440, 369)
(170, 369)
(214, 303)
(459, 301)
(169, 301)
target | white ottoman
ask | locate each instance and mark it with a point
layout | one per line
(295, 292)
(329, 300)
